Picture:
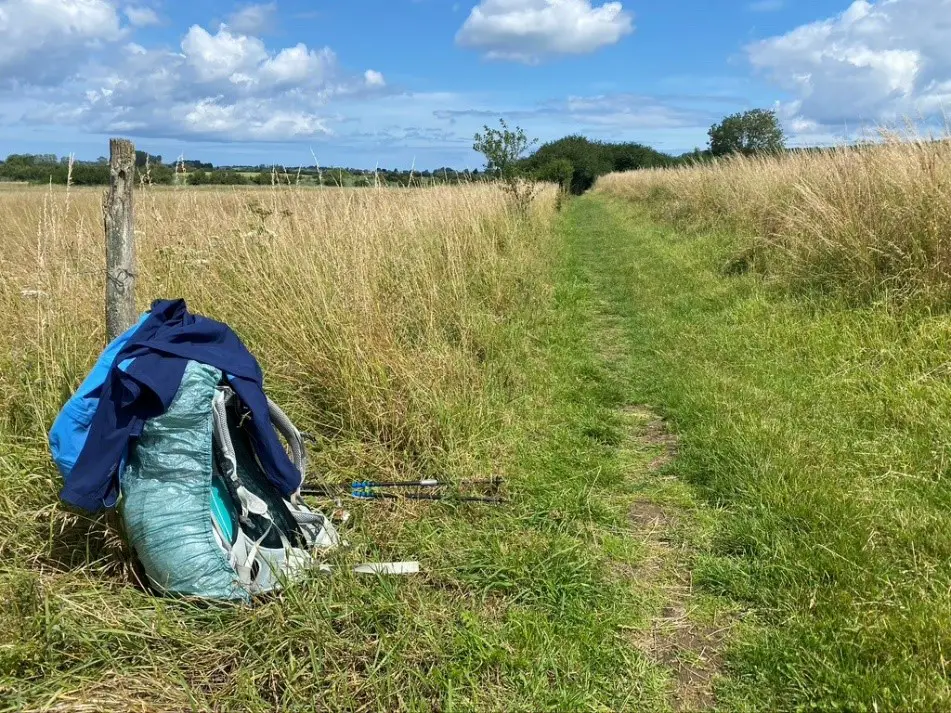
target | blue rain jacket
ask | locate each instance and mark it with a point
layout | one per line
(136, 379)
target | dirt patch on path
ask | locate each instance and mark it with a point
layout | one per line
(677, 639)
(693, 653)
(654, 432)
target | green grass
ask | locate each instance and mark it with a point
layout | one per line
(804, 525)
(538, 604)
(822, 433)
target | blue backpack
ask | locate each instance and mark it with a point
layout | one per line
(195, 502)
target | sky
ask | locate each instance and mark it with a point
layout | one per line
(401, 83)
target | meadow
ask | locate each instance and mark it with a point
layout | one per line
(415, 333)
(793, 324)
(864, 221)
(719, 397)
(370, 311)
(376, 315)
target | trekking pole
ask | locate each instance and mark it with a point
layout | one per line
(445, 498)
(367, 490)
(363, 485)
(368, 495)
(428, 483)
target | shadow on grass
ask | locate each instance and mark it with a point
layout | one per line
(76, 541)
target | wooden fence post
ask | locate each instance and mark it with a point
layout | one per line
(118, 217)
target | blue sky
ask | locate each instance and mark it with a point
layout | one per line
(398, 82)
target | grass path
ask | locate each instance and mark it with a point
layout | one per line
(816, 437)
(685, 631)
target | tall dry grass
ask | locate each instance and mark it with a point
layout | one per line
(379, 316)
(864, 221)
(410, 331)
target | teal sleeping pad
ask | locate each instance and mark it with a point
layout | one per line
(169, 497)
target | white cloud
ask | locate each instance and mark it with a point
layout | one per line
(224, 85)
(601, 115)
(529, 30)
(250, 120)
(41, 40)
(298, 65)
(223, 55)
(254, 19)
(628, 112)
(374, 78)
(141, 16)
(877, 61)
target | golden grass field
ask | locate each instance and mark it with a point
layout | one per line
(367, 309)
(863, 221)
(389, 324)
(372, 313)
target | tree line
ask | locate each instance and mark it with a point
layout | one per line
(574, 162)
(48, 168)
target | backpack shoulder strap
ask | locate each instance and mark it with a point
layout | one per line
(292, 435)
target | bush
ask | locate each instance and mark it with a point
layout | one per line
(559, 171)
(591, 159)
(228, 178)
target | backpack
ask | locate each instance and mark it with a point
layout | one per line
(195, 502)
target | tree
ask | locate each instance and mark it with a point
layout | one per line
(263, 178)
(591, 159)
(142, 158)
(502, 148)
(85, 174)
(588, 160)
(694, 157)
(21, 159)
(751, 132)
(159, 174)
(228, 178)
(633, 156)
(560, 171)
(196, 165)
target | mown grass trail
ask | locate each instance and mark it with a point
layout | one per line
(819, 435)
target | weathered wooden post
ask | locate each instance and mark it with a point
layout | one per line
(118, 216)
